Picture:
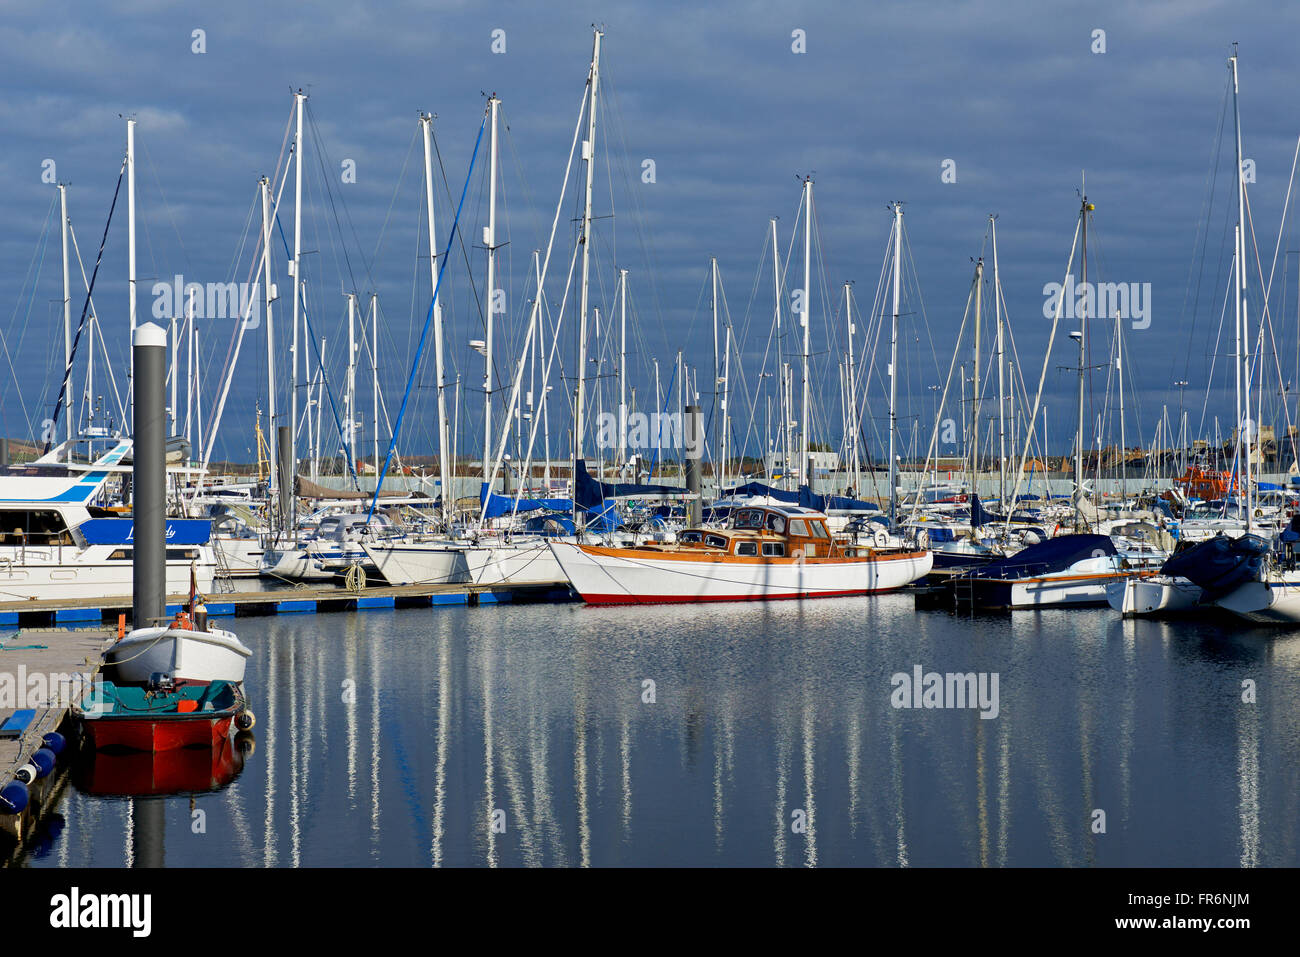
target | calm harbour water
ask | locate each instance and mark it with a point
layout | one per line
(765, 716)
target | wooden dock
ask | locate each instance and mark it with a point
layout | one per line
(91, 612)
(33, 664)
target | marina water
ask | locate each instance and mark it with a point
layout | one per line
(752, 734)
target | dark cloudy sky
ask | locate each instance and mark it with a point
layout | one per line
(1011, 92)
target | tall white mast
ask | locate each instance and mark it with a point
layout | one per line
(1002, 385)
(374, 380)
(130, 232)
(1084, 209)
(1119, 372)
(805, 463)
(851, 387)
(717, 374)
(67, 313)
(351, 401)
(444, 441)
(588, 159)
(268, 298)
(174, 371)
(893, 362)
(189, 367)
(490, 241)
(622, 368)
(975, 385)
(198, 380)
(776, 313)
(659, 407)
(726, 397)
(1242, 319)
(300, 100)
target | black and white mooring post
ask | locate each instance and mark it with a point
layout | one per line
(149, 535)
(149, 477)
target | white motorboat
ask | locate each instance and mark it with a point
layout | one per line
(182, 650)
(56, 544)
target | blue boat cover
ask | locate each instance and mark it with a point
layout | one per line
(1053, 555)
(498, 505)
(1220, 564)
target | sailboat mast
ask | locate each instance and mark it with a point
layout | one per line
(726, 396)
(374, 379)
(851, 393)
(67, 310)
(444, 444)
(296, 273)
(805, 463)
(490, 241)
(717, 371)
(893, 363)
(130, 232)
(622, 368)
(1242, 319)
(588, 159)
(1002, 385)
(1119, 374)
(265, 188)
(351, 426)
(1083, 354)
(975, 385)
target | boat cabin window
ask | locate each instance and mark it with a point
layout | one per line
(717, 541)
(799, 527)
(692, 537)
(776, 523)
(819, 530)
(33, 527)
(774, 549)
(749, 518)
(746, 548)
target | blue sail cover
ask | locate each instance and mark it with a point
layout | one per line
(494, 506)
(1220, 564)
(590, 494)
(1053, 555)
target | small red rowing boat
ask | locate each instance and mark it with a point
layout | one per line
(162, 717)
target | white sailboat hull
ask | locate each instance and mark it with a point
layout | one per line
(514, 563)
(420, 563)
(1158, 595)
(1275, 601)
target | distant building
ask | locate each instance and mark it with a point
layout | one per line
(821, 462)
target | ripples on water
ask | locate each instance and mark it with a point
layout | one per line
(764, 715)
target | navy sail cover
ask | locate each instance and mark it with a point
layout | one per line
(1055, 554)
